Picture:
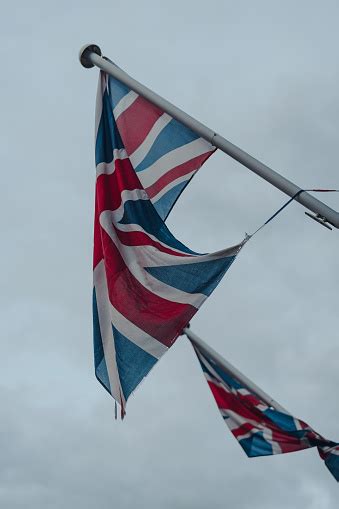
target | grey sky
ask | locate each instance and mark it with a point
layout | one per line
(265, 75)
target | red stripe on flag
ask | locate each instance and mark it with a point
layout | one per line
(160, 318)
(97, 248)
(108, 197)
(243, 429)
(135, 123)
(237, 403)
(286, 441)
(110, 186)
(136, 238)
(175, 173)
(243, 406)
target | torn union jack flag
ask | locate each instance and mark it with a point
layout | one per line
(147, 284)
(260, 429)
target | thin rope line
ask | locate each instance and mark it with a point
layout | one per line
(248, 236)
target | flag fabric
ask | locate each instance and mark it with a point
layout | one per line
(261, 430)
(163, 152)
(147, 284)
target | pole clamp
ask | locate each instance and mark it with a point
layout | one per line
(320, 219)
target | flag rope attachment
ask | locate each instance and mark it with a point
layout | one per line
(217, 358)
(317, 217)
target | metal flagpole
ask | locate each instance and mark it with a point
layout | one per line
(90, 56)
(232, 371)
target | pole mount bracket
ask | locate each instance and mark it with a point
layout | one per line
(320, 219)
(84, 53)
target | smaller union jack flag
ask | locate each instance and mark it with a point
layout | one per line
(261, 430)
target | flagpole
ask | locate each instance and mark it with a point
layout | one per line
(232, 371)
(90, 56)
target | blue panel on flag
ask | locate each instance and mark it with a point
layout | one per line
(284, 421)
(133, 362)
(164, 205)
(229, 380)
(173, 136)
(117, 91)
(99, 357)
(256, 445)
(200, 277)
(142, 212)
(332, 463)
(108, 137)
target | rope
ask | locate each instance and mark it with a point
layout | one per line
(248, 236)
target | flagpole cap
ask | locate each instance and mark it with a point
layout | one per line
(84, 54)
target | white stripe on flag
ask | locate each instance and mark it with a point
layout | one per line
(138, 257)
(128, 195)
(168, 187)
(108, 168)
(106, 330)
(141, 152)
(140, 194)
(136, 335)
(173, 159)
(124, 103)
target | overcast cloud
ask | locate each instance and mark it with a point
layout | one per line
(265, 75)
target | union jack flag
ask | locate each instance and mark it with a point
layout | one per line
(147, 284)
(261, 430)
